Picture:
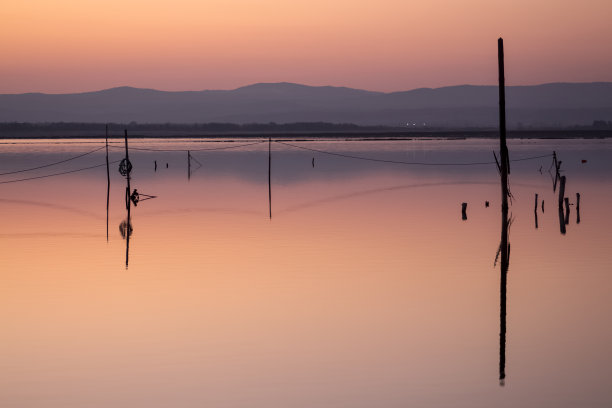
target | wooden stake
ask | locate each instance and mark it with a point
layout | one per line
(577, 208)
(535, 210)
(188, 165)
(561, 190)
(270, 175)
(561, 221)
(463, 211)
(503, 148)
(107, 184)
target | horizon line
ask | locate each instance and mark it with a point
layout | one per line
(301, 85)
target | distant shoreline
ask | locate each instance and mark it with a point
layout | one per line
(387, 135)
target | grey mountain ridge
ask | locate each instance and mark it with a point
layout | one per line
(554, 104)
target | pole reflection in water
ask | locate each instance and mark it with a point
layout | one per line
(125, 228)
(504, 252)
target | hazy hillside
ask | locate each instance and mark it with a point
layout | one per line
(558, 104)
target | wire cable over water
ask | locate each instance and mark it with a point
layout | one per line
(58, 174)
(193, 150)
(52, 164)
(405, 162)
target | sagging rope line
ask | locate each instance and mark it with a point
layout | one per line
(404, 162)
(193, 150)
(51, 164)
(58, 174)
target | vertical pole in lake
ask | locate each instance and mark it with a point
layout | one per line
(270, 175)
(577, 208)
(561, 190)
(504, 245)
(127, 200)
(503, 148)
(188, 165)
(107, 183)
(535, 210)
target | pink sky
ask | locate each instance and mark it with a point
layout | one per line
(63, 46)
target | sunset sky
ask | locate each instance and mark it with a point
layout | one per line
(60, 46)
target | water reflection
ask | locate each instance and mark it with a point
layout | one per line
(335, 290)
(504, 252)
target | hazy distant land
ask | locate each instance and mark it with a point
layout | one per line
(303, 108)
(227, 131)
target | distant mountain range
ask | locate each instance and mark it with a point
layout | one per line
(555, 104)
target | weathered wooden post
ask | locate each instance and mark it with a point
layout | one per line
(270, 175)
(561, 221)
(107, 183)
(567, 210)
(504, 245)
(127, 199)
(128, 169)
(577, 208)
(463, 211)
(188, 165)
(561, 190)
(535, 210)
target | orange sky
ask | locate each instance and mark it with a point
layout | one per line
(75, 45)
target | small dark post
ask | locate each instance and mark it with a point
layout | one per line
(188, 165)
(561, 221)
(535, 210)
(567, 210)
(463, 211)
(107, 184)
(542, 205)
(561, 191)
(577, 208)
(127, 156)
(270, 175)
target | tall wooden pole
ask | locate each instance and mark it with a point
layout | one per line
(127, 162)
(503, 148)
(270, 175)
(128, 202)
(107, 184)
(504, 245)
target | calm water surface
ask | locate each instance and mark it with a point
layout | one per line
(364, 289)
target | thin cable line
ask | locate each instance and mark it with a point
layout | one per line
(58, 174)
(403, 162)
(51, 164)
(193, 150)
